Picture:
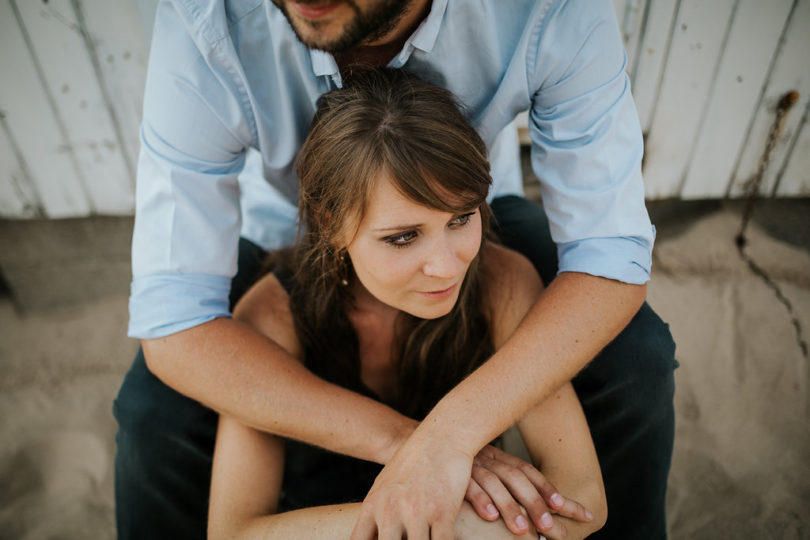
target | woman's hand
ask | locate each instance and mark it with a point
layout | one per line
(504, 482)
(469, 525)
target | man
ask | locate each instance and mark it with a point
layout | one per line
(230, 75)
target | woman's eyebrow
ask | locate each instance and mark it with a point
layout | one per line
(398, 227)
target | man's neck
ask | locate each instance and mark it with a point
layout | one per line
(379, 52)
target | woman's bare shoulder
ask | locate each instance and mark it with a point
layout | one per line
(512, 285)
(266, 307)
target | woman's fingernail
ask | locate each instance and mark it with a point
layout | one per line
(557, 499)
(491, 510)
(545, 521)
(588, 514)
(521, 522)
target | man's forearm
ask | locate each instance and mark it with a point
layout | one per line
(576, 316)
(232, 369)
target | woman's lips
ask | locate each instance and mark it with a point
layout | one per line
(314, 11)
(439, 295)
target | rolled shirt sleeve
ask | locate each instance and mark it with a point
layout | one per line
(587, 145)
(193, 140)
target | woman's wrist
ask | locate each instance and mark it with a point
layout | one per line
(443, 438)
(398, 433)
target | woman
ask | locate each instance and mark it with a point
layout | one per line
(392, 291)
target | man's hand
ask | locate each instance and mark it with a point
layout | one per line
(418, 494)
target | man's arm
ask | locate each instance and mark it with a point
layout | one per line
(232, 369)
(576, 316)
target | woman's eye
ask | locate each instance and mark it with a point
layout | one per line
(463, 219)
(401, 240)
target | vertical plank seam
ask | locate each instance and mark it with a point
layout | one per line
(642, 34)
(630, 7)
(92, 52)
(34, 206)
(780, 45)
(60, 123)
(704, 113)
(793, 143)
(663, 68)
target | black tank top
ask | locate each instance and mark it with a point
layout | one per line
(314, 476)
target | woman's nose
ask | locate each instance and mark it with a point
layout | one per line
(441, 261)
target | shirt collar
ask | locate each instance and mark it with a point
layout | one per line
(424, 38)
(323, 63)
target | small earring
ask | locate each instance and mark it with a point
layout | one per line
(342, 260)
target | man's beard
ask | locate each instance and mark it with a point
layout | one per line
(367, 26)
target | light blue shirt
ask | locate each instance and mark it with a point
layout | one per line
(226, 76)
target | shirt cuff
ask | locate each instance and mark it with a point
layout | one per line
(626, 258)
(160, 305)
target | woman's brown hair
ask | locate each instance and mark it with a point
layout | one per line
(386, 121)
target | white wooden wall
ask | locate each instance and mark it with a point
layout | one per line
(71, 79)
(706, 75)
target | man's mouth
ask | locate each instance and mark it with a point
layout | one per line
(316, 10)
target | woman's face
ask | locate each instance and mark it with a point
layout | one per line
(412, 257)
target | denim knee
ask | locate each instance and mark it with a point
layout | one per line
(163, 459)
(651, 343)
(636, 368)
(145, 406)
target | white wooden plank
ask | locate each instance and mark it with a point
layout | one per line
(619, 7)
(37, 130)
(631, 27)
(696, 47)
(651, 57)
(12, 203)
(122, 54)
(17, 198)
(744, 68)
(146, 15)
(791, 71)
(58, 42)
(795, 180)
(522, 123)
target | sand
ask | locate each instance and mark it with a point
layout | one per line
(60, 372)
(741, 467)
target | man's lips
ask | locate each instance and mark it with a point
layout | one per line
(314, 11)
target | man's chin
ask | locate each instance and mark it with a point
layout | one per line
(317, 40)
(332, 35)
(313, 35)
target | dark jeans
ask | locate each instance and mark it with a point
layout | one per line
(165, 440)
